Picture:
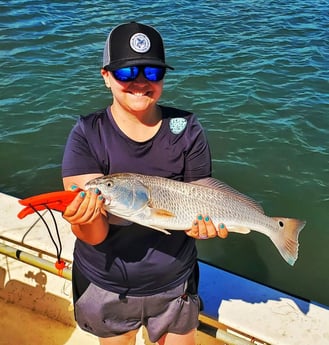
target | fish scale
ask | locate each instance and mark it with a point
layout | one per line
(220, 207)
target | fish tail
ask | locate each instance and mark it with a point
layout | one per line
(287, 239)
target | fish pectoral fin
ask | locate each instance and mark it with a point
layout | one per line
(238, 229)
(158, 212)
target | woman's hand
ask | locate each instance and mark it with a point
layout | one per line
(87, 216)
(85, 208)
(203, 228)
(86, 213)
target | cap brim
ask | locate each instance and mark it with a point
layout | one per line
(140, 62)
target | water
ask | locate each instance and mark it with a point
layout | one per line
(256, 72)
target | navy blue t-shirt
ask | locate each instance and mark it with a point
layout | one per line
(133, 259)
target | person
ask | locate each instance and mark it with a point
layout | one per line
(126, 275)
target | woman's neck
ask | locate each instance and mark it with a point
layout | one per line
(139, 127)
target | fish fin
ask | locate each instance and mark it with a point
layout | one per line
(158, 212)
(213, 183)
(158, 229)
(238, 229)
(287, 243)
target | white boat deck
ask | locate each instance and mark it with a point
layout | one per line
(36, 305)
(265, 313)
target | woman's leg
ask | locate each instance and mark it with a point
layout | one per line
(128, 338)
(181, 339)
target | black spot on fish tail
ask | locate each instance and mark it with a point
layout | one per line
(287, 239)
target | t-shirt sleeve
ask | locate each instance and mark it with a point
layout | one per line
(78, 158)
(198, 157)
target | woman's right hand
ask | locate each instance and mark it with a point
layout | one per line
(87, 216)
(85, 208)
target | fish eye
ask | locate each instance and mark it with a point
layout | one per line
(109, 183)
(281, 224)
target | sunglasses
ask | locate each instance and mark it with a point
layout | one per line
(151, 73)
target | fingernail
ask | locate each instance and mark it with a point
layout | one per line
(207, 219)
(100, 197)
(195, 223)
(96, 191)
(74, 187)
(222, 226)
(199, 217)
(83, 194)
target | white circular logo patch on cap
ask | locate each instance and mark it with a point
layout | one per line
(177, 125)
(140, 43)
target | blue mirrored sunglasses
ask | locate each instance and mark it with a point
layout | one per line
(151, 73)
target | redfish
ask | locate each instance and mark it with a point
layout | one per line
(164, 204)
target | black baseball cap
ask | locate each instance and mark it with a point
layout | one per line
(133, 44)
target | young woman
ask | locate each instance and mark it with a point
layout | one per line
(126, 275)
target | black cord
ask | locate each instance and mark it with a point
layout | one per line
(59, 246)
(57, 233)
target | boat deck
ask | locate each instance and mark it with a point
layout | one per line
(24, 326)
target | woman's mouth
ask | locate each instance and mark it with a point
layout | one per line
(139, 93)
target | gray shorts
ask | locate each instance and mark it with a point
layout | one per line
(104, 314)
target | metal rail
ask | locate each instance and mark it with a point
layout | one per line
(228, 335)
(35, 261)
(28, 246)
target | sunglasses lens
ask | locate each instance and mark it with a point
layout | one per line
(131, 73)
(154, 73)
(126, 73)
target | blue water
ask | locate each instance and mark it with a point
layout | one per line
(256, 73)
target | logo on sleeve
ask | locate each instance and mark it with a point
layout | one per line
(177, 125)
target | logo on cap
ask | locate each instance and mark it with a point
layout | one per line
(140, 43)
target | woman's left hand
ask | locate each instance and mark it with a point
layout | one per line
(204, 228)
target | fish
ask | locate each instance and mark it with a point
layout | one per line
(167, 205)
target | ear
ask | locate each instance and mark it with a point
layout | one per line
(105, 74)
